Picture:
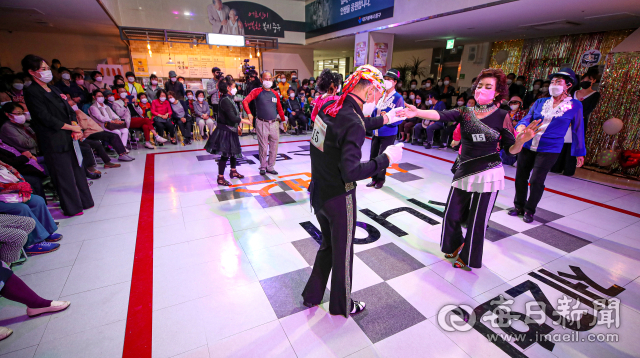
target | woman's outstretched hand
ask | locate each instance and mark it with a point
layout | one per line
(409, 111)
(529, 132)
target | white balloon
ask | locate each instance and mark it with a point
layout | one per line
(612, 126)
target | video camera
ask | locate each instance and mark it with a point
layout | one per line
(247, 70)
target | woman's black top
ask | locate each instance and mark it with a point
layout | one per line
(480, 139)
(588, 105)
(228, 113)
(49, 113)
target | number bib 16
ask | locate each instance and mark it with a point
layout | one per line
(318, 134)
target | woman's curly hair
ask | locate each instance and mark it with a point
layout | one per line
(326, 78)
(502, 90)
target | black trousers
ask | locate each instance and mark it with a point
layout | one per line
(532, 168)
(70, 182)
(87, 154)
(298, 120)
(476, 209)
(162, 125)
(378, 145)
(566, 163)
(337, 220)
(99, 150)
(110, 138)
(438, 125)
(186, 128)
(36, 185)
(222, 163)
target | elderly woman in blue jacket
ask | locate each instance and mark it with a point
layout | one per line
(538, 155)
(386, 135)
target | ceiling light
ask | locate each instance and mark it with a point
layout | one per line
(552, 25)
(187, 13)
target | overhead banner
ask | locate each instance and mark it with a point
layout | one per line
(325, 16)
(247, 18)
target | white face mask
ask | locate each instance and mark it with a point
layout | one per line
(80, 82)
(201, 99)
(27, 83)
(111, 98)
(18, 86)
(519, 83)
(154, 82)
(292, 95)
(413, 86)
(123, 94)
(368, 108)
(446, 82)
(429, 102)
(66, 76)
(545, 89)
(509, 81)
(20, 118)
(387, 85)
(418, 100)
(439, 83)
(460, 103)
(172, 100)
(556, 90)
(311, 82)
(412, 96)
(536, 87)
(190, 96)
(46, 76)
(144, 100)
(427, 85)
(75, 107)
(514, 107)
(234, 91)
(173, 79)
(131, 79)
(98, 78)
(100, 99)
(404, 96)
(267, 84)
(162, 99)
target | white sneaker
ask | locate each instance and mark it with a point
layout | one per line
(5, 332)
(160, 139)
(55, 307)
(149, 145)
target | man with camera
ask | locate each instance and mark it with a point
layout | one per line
(212, 89)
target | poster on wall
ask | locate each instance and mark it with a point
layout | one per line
(247, 18)
(380, 56)
(325, 16)
(110, 71)
(140, 66)
(182, 69)
(361, 54)
(590, 58)
(193, 62)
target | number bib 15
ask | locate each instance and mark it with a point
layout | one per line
(318, 134)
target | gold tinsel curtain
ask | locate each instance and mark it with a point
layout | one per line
(514, 47)
(620, 91)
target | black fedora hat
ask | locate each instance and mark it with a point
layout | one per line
(565, 72)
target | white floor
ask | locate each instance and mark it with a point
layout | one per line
(227, 271)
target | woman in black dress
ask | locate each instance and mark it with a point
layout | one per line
(55, 124)
(479, 175)
(224, 140)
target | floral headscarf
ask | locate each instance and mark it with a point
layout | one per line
(366, 72)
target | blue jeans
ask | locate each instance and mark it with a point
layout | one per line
(36, 209)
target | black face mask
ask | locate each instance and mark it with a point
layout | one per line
(585, 84)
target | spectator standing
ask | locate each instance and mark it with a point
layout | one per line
(212, 90)
(174, 86)
(152, 90)
(268, 108)
(52, 120)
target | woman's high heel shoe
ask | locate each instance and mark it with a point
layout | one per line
(460, 264)
(235, 174)
(455, 253)
(223, 181)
